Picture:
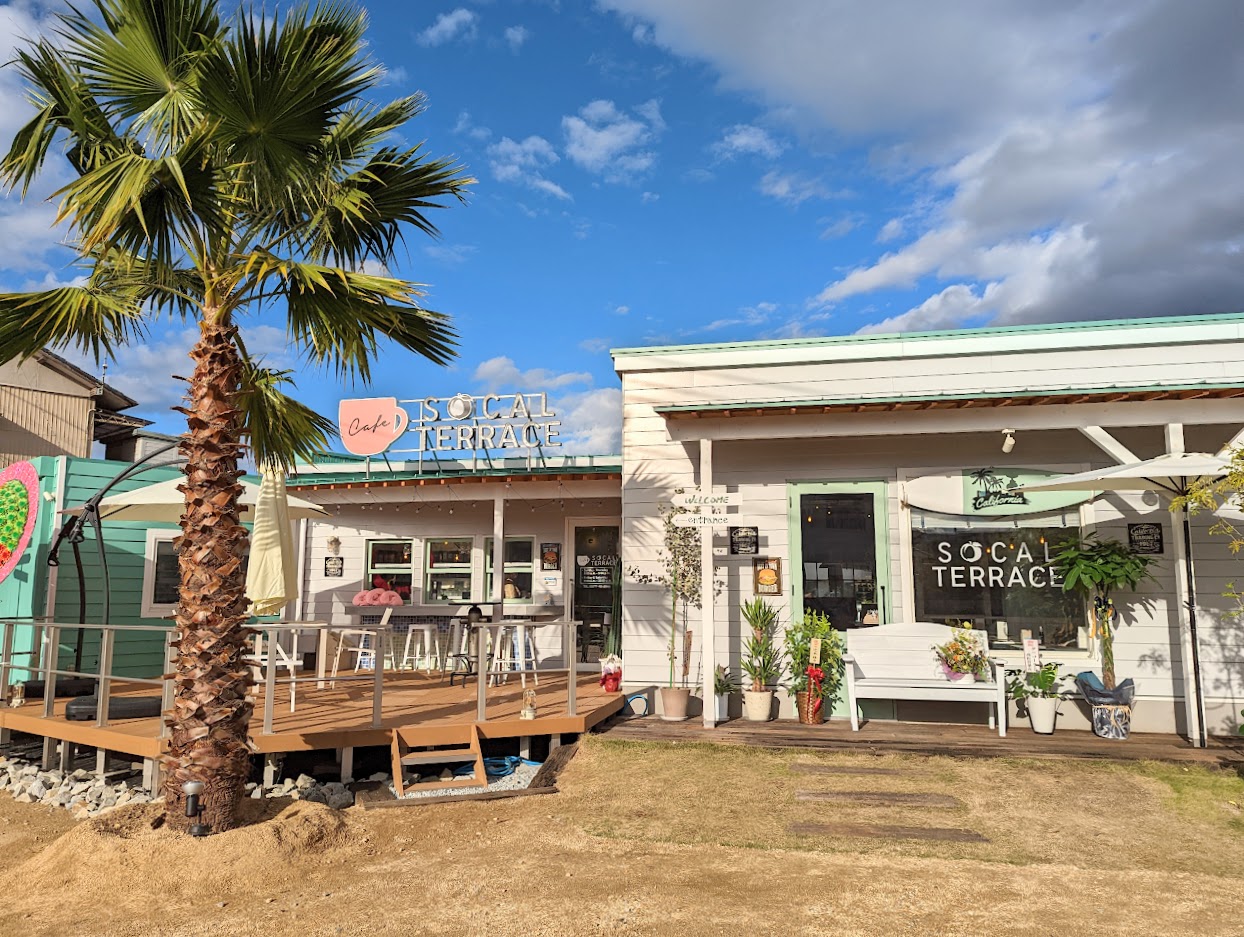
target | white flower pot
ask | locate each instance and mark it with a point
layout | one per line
(757, 705)
(1042, 713)
(723, 707)
(674, 703)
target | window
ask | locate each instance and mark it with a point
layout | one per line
(996, 573)
(161, 575)
(519, 554)
(388, 566)
(448, 570)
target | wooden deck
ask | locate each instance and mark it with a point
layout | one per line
(341, 717)
(884, 737)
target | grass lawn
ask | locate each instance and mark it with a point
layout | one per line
(671, 839)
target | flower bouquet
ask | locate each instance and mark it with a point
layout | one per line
(963, 658)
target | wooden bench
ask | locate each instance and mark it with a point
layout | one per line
(897, 662)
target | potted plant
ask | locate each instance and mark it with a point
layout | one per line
(762, 661)
(814, 686)
(1040, 693)
(963, 658)
(1097, 568)
(723, 685)
(680, 574)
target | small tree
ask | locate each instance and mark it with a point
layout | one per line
(762, 661)
(680, 573)
(1098, 567)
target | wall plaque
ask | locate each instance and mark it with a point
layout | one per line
(550, 556)
(744, 541)
(334, 567)
(767, 576)
(1145, 538)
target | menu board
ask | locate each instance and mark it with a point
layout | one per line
(550, 556)
(596, 577)
(1145, 538)
(744, 541)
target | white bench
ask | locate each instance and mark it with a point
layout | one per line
(897, 662)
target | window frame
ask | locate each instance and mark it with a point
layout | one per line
(468, 568)
(149, 607)
(407, 569)
(528, 568)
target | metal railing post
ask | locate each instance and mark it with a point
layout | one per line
(167, 686)
(380, 646)
(269, 679)
(481, 674)
(51, 634)
(570, 644)
(106, 640)
(6, 655)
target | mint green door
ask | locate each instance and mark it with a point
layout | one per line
(840, 559)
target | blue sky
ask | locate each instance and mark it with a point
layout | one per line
(670, 171)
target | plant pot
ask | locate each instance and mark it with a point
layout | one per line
(809, 713)
(723, 707)
(757, 705)
(1112, 722)
(1042, 711)
(674, 703)
(955, 677)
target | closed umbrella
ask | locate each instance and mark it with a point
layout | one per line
(272, 568)
(1173, 475)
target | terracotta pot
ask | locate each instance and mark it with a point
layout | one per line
(806, 705)
(757, 705)
(674, 703)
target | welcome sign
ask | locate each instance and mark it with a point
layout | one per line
(461, 423)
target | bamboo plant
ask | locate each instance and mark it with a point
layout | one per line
(762, 660)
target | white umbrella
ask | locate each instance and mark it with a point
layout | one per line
(1174, 475)
(163, 503)
(272, 568)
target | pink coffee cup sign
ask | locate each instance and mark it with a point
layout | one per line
(369, 425)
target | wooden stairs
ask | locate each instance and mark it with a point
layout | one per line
(468, 751)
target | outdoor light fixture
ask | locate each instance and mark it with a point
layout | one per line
(334, 545)
(194, 809)
(1009, 442)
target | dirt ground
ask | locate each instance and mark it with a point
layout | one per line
(664, 839)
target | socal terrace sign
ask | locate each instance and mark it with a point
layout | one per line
(462, 423)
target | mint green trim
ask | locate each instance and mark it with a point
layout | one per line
(382, 474)
(969, 395)
(879, 489)
(891, 337)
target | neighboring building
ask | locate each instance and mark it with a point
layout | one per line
(130, 444)
(49, 407)
(875, 467)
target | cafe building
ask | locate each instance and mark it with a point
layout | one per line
(873, 478)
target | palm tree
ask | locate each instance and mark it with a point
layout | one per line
(219, 166)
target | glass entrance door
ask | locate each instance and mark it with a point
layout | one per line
(841, 564)
(596, 582)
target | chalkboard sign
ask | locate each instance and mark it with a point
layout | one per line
(334, 567)
(744, 541)
(1145, 538)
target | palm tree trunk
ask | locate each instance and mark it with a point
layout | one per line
(210, 709)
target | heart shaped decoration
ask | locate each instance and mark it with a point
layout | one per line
(19, 507)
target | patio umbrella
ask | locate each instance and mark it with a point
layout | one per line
(272, 567)
(1174, 475)
(163, 503)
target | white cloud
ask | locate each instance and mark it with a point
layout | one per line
(891, 230)
(394, 75)
(450, 254)
(516, 36)
(791, 187)
(522, 162)
(840, 227)
(1061, 161)
(747, 140)
(460, 24)
(594, 345)
(591, 421)
(464, 126)
(649, 197)
(621, 310)
(604, 140)
(747, 316)
(502, 373)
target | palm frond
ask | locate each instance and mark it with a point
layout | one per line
(280, 429)
(338, 316)
(93, 318)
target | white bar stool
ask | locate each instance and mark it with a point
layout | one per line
(423, 644)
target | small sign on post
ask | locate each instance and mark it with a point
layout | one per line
(1032, 655)
(814, 651)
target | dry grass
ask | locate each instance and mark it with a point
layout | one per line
(669, 840)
